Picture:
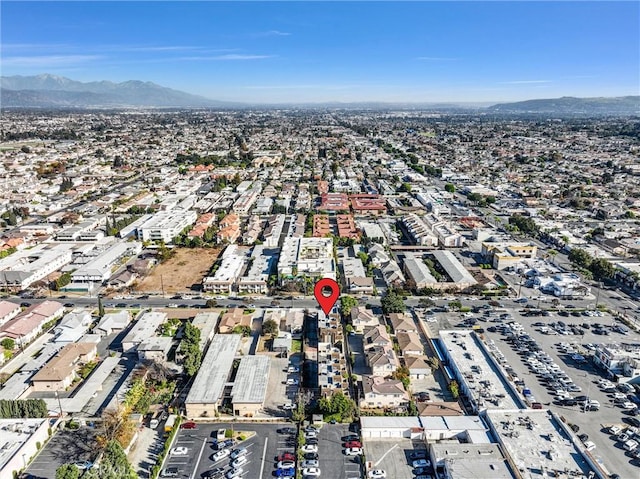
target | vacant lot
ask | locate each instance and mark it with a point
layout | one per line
(180, 273)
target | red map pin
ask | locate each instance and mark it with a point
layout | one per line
(325, 301)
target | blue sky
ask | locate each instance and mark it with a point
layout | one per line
(334, 51)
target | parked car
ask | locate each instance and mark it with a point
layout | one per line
(239, 461)
(421, 463)
(311, 471)
(377, 474)
(352, 444)
(286, 456)
(285, 472)
(218, 456)
(241, 451)
(353, 451)
(188, 425)
(309, 448)
(170, 472)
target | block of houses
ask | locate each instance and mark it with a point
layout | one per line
(113, 323)
(60, 372)
(418, 367)
(8, 310)
(382, 361)
(402, 322)
(410, 344)
(362, 318)
(27, 325)
(377, 337)
(233, 318)
(72, 326)
(380, 393)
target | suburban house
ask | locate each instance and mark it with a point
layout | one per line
(382, 361)
(380, 393)
(362, 318)
(73, 326)
(417, 366)
(113, 323)
(233, 318)
(377, 337)
(410, 344)
(402, 322)
(60, 372)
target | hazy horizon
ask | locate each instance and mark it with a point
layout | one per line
(319, 52)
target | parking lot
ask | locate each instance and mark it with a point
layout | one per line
(333, 462)
(584, 375)
(279, 392)
(64, 447)
(392, 456)
(262, 449)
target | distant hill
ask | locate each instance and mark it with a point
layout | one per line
(50, 91)
(623, 105)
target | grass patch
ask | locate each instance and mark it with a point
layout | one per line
(296, 345)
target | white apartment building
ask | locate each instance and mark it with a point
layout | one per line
(245, 202)
(307, 257)
(166, 225)
(257, 277)
(99, 269)
(227, 273)
(23, 268)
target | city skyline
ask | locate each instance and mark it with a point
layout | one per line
(270, 52)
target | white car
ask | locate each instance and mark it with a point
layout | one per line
(377, 474)
(309, 463)
(240, 461)
(353, 451)
(421, 463)
(286, 465)
(220, 455)
(292, 382)
(179, 451)
(628, 405)
(293, 369)
(309, 448)
(589, 445)
(288, 406)
(310, 471)
(235, 473)
(614, 430)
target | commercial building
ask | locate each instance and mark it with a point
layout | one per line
(469, 461)
(480, 380)
(250, 385)
(207, 391)
(539, 444)
(620, 360)
(20, 439)
(60, 372)
(504, 255)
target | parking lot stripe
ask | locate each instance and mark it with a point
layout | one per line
(204, 443)
(264, 455)
(385, 454)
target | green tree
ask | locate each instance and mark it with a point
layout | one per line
(244, 330)
(270, 327)
(405, 187)
(114, 464)
(602, 269)
(450, 188)
(392, 303)
(190, 348)
(580, 257)
(8, 343)
(211, 303)
(347, 303)
(67, 471)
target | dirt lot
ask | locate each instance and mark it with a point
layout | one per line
(180, 273)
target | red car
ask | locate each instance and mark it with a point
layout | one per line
(351, 444)
(188, 425)
(286, 456)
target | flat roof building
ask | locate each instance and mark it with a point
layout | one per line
(250, 386)
(144, 328)
(454, 269)
(207, 391)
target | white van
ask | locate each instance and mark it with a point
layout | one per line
(630, 445)
(154, 423)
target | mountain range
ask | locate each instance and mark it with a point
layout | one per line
(51, 91)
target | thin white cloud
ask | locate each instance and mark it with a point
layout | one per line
(524, 82)
(43, 61)
(275, 33)
(227, 57)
